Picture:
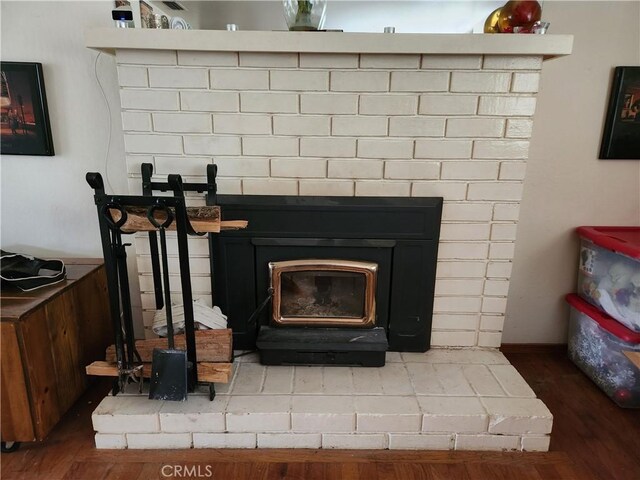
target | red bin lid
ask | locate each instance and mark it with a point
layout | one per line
(604, 320)
(625, 240)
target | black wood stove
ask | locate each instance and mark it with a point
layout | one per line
(342, 279)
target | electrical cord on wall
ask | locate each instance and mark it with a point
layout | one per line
(106, 102)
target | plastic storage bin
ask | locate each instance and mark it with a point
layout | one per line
(609, 271)
(596, 345)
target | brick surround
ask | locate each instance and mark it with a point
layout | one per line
(456, 126)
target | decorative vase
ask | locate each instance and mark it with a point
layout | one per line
(304, 15)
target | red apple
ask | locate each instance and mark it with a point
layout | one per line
(519, 13)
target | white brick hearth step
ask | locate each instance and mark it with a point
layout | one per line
(444, 399)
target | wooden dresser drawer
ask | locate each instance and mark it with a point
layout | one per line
(48, 336)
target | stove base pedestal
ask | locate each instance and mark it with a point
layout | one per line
(322, 346)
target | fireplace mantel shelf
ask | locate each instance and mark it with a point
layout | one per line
(111, 39)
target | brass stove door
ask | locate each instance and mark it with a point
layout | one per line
(323, 293)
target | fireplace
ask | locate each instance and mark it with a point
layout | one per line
(351, 276)
(353, 115)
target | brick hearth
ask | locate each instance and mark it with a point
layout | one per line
(441, 400)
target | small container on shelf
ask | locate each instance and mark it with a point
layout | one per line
(609, 271)
(602, 348)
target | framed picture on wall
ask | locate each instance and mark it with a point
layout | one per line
(24, 115)
(621, 137)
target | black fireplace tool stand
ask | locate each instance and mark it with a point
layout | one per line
(128, 361)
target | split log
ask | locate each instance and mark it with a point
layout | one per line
(207, 371)
(233, 224)
(203, 219)
(211, 346)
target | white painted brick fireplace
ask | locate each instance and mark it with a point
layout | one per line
(352, 114)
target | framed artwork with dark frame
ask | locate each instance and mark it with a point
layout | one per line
(24, 117)
(621, 136)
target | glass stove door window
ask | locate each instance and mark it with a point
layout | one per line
(322, 294)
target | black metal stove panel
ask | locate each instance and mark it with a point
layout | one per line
(400, 234)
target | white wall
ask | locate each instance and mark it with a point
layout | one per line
(566, 184)
(433, 16)
(47, 207)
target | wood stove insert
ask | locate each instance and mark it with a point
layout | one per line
(399, 235)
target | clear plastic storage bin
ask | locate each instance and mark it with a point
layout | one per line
(597, 344)
(609, 271)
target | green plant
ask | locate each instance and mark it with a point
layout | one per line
(304, 11)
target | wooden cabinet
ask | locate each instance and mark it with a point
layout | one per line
(47, 337)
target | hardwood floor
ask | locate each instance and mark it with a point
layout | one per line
(592, 439)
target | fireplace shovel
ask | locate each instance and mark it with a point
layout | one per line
(169, 366)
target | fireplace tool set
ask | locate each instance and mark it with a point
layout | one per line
(173, 372)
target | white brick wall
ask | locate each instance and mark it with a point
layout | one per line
(384, 148)
(329, 103)
(475, 170)
(213, 59)
(386, 189)
(388, 104)
(276, 146)
(475, 127)
(211, 145)
(430, 148)
(359, 126)
(242, 124)
(480, 82)
(182, 122)
(448, 104)
(358, 81)
(132, 76)
(452, 62)
(268, 102)
(328, 60)
(232, 79)
(209, 101)
(297, 125)
(348, 124)
(416, 127)
(136, 122)
(297, 167)
(390, 61)
(175, 77)
(419, 81)
(148, 100)
(250, 59)
(299, 80)
(412, 170)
